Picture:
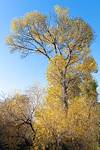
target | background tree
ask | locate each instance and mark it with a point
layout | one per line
(17, 119)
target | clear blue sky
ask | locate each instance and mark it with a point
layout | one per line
(17, 73)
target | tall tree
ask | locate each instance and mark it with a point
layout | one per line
(68, 117)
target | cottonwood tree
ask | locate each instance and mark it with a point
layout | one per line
(72, 94)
